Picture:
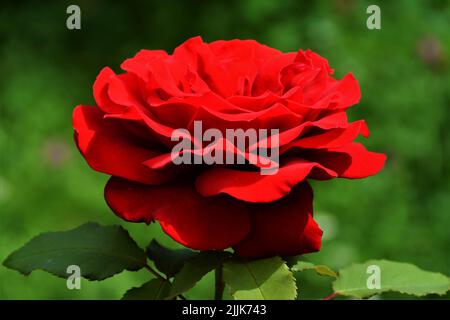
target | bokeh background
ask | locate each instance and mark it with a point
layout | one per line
(403, 70)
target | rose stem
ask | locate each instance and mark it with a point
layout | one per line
(331, 296)
(156, 274)
(218, 294)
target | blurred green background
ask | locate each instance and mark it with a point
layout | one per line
(403, 70)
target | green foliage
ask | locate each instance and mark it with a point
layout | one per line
(99, 251)
(103, 251)
(195, 269)
(170, 262)
(266, 279)
(395, 276)
(321, 270)
(155, 289)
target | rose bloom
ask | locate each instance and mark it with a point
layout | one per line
(226, 85)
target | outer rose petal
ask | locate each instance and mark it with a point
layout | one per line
(351, 161)
(284, 227)
(251, 186)
(364, 163)
(107, 148)
(331, 138)
(348, 91)
(138, 64)
(101, 94)
(194, 221)
(333, 121)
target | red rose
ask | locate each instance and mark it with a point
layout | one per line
(225, 85)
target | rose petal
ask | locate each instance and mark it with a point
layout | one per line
(190, 219)
(346, 90)
(138, 63)
(101, 92)
(284, 227)
(268, 76)
(332, 121)
(351, 161)
(331, 138)
(108, 148)
(252, 186)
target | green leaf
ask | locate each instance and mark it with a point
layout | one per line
(321, 269)
(155, 289)
(395, 276)
(99, 251)
(195, 269)
(267, 279)
(168, 261)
